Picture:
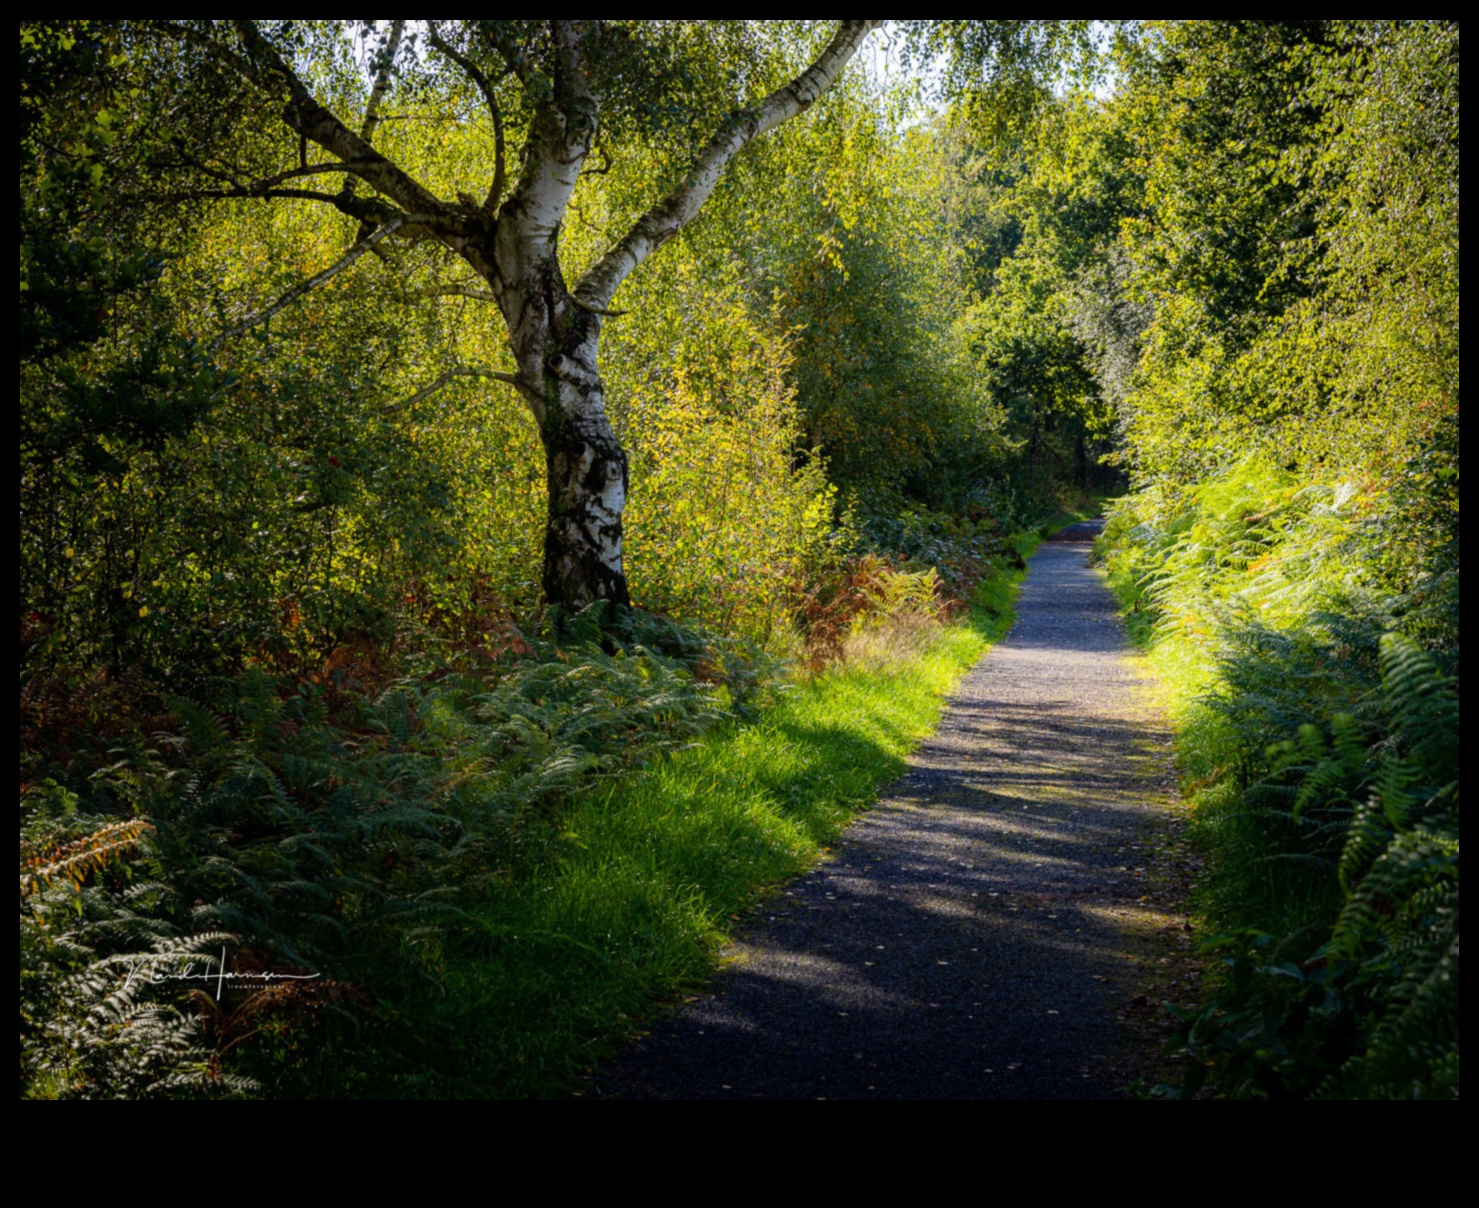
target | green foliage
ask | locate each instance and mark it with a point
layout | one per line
(1319, 744)
(1040, 327)
(286, 683)
(1365, 1007)
(470, 937)
(1298, 242)
(319, 830)
(280, 618)
(577, 946)
(1250, 243)
(722, 526)
(1292, 555)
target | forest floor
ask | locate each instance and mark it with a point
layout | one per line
(998, 926)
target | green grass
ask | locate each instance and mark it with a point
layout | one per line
(569, 956)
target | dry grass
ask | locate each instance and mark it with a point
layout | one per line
(890, 640)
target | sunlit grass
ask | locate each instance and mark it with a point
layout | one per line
(572, 954)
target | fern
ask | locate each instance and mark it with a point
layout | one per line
(1373, 1010)
(1326, 744)
(1399, 925)
(348, 842)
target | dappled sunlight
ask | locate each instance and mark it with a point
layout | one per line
(975, 934)
(829, 980)
(488, 519)
(1135, 915)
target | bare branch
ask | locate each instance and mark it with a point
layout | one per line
(311, 120)
(470, 371)
(495, 191)
(448, 291)
(377, 91)
(678, 208)
(349, 257)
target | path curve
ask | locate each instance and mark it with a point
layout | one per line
(977, 933)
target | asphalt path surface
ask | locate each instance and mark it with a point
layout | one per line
(977, 934)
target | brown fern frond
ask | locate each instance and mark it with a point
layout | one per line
(75, 861)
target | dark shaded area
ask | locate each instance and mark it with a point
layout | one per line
(973, 935)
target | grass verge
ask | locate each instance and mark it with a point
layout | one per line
(567, 957)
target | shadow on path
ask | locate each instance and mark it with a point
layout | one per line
(973, 933)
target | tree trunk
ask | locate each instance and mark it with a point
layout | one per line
(587, 475)
(513, 244)
(555, 343)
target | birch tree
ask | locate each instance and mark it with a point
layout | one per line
(559, 73)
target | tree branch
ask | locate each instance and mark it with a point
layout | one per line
(382, 82)
(596, 310)
(269, 182)
(365, 209)
(448, 291)
(518, 62)
(242, 188)
(559, 139)
(470, 371)
(311, 120)
(377, 92)
(678, 208)
(495, 191)
(349, 257)
(268, 186)
(605, 164)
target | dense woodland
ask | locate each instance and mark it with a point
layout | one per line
(352, 596)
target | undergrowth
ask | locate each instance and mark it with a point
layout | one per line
(572, 950)
(1315, 699)
(323, 837)
(467, 879)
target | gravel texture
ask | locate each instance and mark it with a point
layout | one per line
(978, 933)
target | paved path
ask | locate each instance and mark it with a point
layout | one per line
(976, 934)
